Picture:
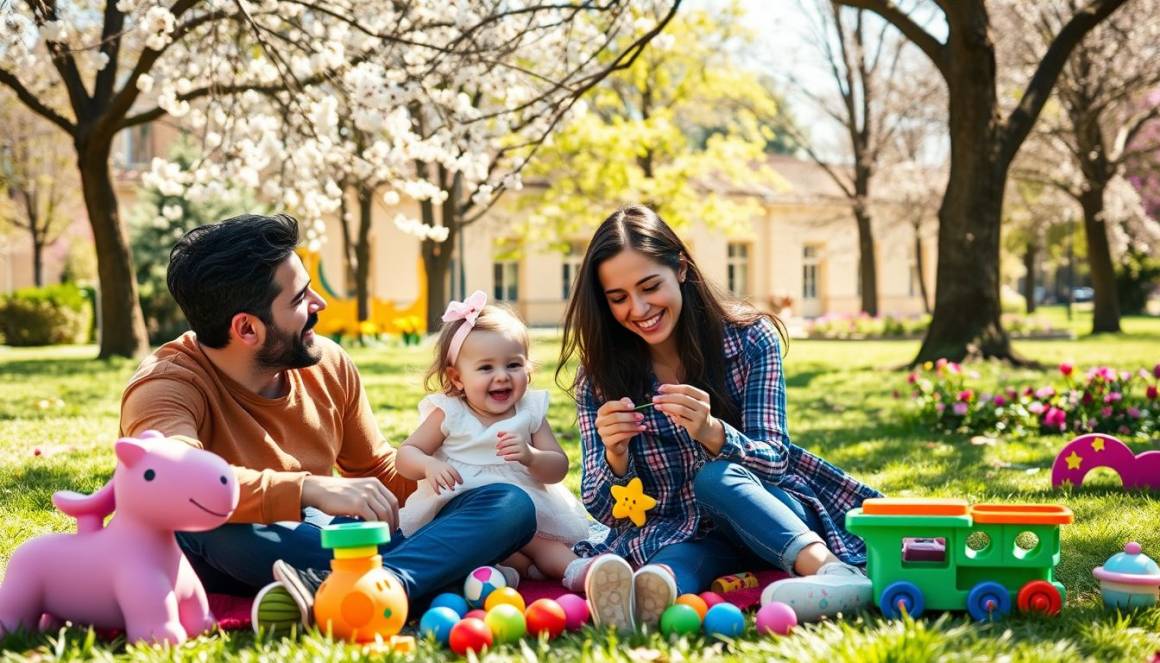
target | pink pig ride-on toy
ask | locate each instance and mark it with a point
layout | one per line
(129, 574)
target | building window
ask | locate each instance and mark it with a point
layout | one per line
(137, 142)
(810, 272)
(507, 277)
(737, 269)
(571, 268)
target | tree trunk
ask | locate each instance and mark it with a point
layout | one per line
(1106, 303)
(1030, 257)
(920, 267)
(122, 326)
(37, 262)
(362, 251)
(436, 261)
(966, 320)
(867, 264)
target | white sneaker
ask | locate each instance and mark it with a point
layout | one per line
(510, 575)
(608, 587)
(817, 596)
(653, 590)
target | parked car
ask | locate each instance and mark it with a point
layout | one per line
(1082, 294)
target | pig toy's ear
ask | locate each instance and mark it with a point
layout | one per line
(129, 451)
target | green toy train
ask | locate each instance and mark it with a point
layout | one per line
(943, 554)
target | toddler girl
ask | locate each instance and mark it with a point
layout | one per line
(487, 427)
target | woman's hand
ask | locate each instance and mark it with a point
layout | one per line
(617, 424)
(690, 408)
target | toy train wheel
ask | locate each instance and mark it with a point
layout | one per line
(1039, 596)
(988, 601)
(899, 597)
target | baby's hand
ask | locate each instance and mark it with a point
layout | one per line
(442, 475)
(513, 447)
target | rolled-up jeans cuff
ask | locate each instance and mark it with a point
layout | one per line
(794, 547)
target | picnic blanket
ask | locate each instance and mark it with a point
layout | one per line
(233, 612)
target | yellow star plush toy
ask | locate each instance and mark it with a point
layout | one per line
(631, 502)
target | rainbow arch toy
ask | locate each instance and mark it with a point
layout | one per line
(1088, 452)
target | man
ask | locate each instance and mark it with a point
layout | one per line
(251, 383)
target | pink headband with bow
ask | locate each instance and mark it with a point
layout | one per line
(467, 311)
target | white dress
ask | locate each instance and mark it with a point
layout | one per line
(469, 447)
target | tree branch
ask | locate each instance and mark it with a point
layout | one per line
(35, 104)
(1023, 117)
(934, 49)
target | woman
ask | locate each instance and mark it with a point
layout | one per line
(682, 387)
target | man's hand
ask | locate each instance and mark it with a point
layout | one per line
(368, 499)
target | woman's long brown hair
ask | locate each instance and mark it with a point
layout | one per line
(616, 361)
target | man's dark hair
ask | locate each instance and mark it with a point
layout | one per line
(219, 270)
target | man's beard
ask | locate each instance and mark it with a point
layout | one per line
(283, 350)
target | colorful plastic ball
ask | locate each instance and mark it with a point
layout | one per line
(711, 599)
(505, 596)
(481, 582)
(776, 617)
(438, 622)
(478, 613)
(506, 622)
(724, 620)
(471, 635)
(680, 619)
(576, 610)
(453, 601)
(546, 616)
(695, 602)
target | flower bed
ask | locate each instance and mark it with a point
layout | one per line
(847, 326)
(1104, 400)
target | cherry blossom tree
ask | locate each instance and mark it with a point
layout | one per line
(985, 136)
(1106, 103)
(34, 176)
(260, 82)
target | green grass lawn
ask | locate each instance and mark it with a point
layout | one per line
(58, 418)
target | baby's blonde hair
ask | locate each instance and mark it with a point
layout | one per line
(494, 318)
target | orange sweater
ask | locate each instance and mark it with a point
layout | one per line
(325, 420)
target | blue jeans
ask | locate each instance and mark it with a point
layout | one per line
(481, 526)
(758, 526)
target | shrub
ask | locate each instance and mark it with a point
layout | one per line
(1136, 279)
(50, 315)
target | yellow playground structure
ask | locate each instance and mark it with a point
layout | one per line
(341, 316)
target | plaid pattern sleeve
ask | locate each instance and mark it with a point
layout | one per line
(760, 388)
(596, 477)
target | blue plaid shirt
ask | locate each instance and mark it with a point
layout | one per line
(666, 459)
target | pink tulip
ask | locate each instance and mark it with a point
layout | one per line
(1134, 412)
(961, 408)
(1124, 430)
(912, 378)
(1151, 392)
(1106, 412)
(1156, 371)
(1035, 408)
(1000, 401)
(1113, 397)
(1045, 392)
(1066, 368)
(965, 395)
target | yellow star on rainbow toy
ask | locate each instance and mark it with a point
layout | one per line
(1073, 461)
(1098, 444)
(631, 502)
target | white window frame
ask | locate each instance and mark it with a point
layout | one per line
(737, 264)
(810, 263)
(506, 281)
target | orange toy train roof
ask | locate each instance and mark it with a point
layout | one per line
(904, 506)
(1022, 514)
